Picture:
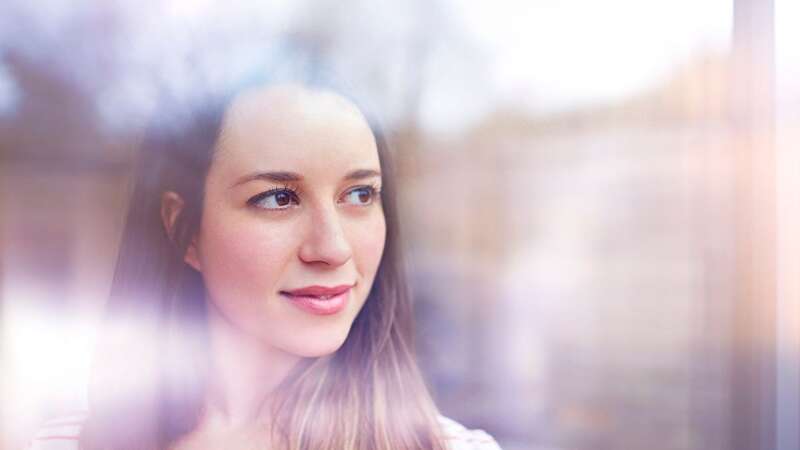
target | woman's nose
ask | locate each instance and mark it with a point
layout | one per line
(326, 241)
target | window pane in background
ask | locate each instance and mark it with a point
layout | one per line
(572, 179)
(575, 247)
(787, 61)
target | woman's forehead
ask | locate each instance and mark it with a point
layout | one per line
(286, 103)
(285, 125)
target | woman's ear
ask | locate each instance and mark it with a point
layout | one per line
(171, 207)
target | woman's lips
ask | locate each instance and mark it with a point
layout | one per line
(319, 299)
(320, 291)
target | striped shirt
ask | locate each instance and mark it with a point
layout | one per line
(62, 434)
(458, 437)
(59, 434)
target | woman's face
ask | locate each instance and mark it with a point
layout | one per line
(292, 202)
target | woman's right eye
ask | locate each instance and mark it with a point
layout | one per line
(275, 199)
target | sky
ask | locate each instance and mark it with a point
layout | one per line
(552, 56)
(568, 52)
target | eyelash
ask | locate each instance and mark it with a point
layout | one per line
(293, 192)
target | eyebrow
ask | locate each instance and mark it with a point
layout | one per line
(286, 177)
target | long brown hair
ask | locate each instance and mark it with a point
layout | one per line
(151, 365)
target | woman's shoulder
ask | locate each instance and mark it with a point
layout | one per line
(459, 437)
(59, 433)
(63, 433)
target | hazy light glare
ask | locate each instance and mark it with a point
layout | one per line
(47, 358)
(594, 51)
(9, 91)
(787, 66)
(787, 54)
(188, 10)
(567, 245)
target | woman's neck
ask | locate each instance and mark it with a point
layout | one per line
(244, 373)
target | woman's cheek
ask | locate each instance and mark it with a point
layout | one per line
(370, 240)
(245, 257)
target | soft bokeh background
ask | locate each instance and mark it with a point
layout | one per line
(600, 198)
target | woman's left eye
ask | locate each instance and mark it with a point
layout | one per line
(363, 195)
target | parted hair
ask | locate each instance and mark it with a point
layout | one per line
(151, 366)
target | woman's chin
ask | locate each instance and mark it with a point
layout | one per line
(317, 346)
(317, 351)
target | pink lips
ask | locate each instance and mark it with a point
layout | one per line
(320, 300)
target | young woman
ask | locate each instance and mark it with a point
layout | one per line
(259, 299)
